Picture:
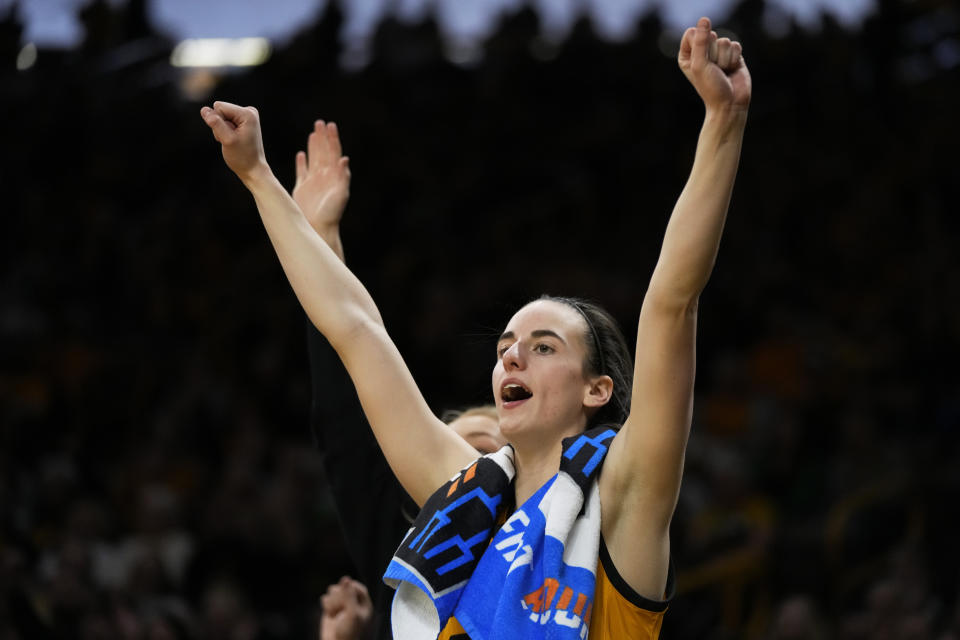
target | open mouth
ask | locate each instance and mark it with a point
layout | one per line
(514, 392)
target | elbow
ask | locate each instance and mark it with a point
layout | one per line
(365, 327)
(678, 301)
(680, 277)
(352, 326)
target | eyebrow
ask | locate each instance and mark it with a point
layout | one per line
(536, 333)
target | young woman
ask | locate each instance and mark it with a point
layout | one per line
(551, 378)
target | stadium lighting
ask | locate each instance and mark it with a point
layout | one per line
(27, 57)
(221, 52)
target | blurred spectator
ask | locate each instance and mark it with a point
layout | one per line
(797, 618)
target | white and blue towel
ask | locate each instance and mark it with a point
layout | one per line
(534, 577)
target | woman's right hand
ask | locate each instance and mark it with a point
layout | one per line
(237, 129)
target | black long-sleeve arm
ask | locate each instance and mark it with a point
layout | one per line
(369, 500)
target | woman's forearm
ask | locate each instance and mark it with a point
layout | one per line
(692, 237)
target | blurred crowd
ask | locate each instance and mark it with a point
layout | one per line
(157, 475)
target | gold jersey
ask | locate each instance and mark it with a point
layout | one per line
(617, 612)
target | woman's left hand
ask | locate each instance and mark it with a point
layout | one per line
(715, 67)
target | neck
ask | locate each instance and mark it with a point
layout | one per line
(535, 465)
(537, 457)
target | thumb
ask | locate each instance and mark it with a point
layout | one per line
(686, 46)
(301, 168)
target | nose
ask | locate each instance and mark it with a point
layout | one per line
(513, 357)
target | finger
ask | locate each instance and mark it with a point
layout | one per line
(333, 136)
(314, 145)
(724, 53)
(222, 130)
(359, 597)
(232, 112)
(209, 115)
(333, 599)
(323, 146)
(301, 163)
(359, 591)
(701, 44)
(712, 54)
(736, 55)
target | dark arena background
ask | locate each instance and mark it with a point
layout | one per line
(156, 462)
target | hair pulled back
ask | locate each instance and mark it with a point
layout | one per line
(607, 354)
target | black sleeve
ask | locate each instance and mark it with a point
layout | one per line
(367, 497)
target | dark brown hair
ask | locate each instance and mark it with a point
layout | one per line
(607, 354)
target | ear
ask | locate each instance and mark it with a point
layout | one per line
(598, 392)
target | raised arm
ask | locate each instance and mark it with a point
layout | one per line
(641, 477)
(340, 307)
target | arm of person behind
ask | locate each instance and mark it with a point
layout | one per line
(367, 497)
(341, 308)
(641, 477)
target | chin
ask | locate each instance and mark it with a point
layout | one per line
(508, 427)
(511, 427)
